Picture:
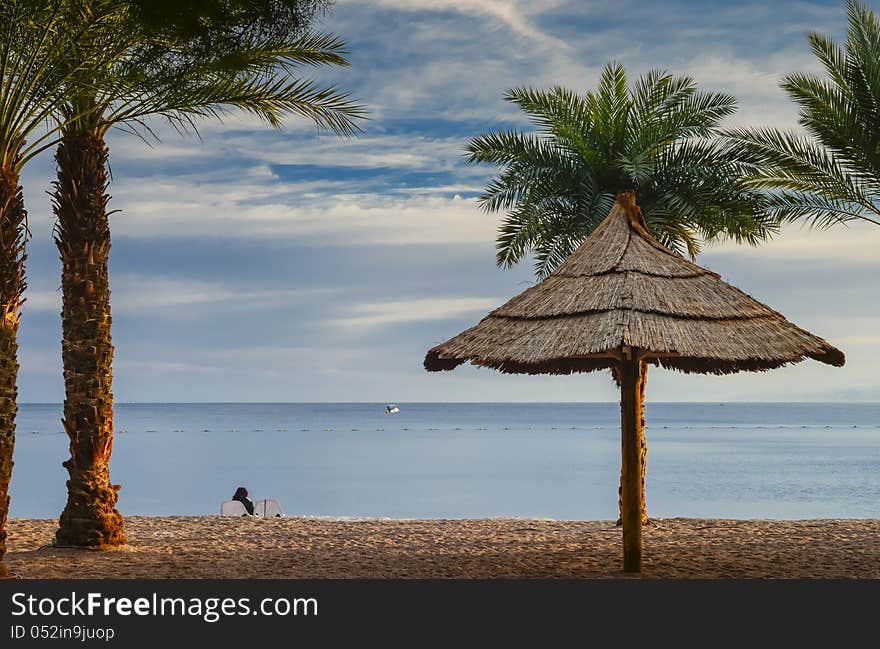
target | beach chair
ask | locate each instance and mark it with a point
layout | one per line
(232, 508)
(268, 508)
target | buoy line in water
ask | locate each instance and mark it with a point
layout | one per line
(282, 429)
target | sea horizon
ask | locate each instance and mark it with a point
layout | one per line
(555, 460)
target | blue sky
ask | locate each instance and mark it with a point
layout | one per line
(260, 265)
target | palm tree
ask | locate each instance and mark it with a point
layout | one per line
(831, 175)
(152, 74)
(34, 42)
(656, 139)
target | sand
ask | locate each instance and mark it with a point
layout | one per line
(303, 548)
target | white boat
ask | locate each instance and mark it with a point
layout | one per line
(390, 409)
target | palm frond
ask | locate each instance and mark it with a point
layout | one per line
(35, 75)
(129, 76)
(800, 167)
(657, 138)
(833, 175)
(816, 210)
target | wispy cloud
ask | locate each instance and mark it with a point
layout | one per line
(859, 240)
(379, 314)
(514, 15)
(145, 293)
(340, 219)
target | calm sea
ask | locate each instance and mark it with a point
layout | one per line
(466, 460)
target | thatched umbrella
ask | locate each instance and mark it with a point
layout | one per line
(620, 301)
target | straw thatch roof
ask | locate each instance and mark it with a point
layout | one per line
(623, 289)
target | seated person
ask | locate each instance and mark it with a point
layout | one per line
(241, 495)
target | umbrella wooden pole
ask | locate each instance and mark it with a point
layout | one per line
(643, 456)
(631, 423)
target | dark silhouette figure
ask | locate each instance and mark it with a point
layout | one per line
(241, 495)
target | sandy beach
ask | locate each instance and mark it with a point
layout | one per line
(303, 548)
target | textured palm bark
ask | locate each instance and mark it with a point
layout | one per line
(643, 452)
(82, 235)
(13, 235)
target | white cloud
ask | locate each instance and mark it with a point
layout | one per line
(251, 152)
(351, 219)
(860, 241)
(377, 314)
(516, 16)
(366, 151)
(144, 293)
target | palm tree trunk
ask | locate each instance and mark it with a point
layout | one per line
(643, 452)
(13, 236)
(82, 234)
